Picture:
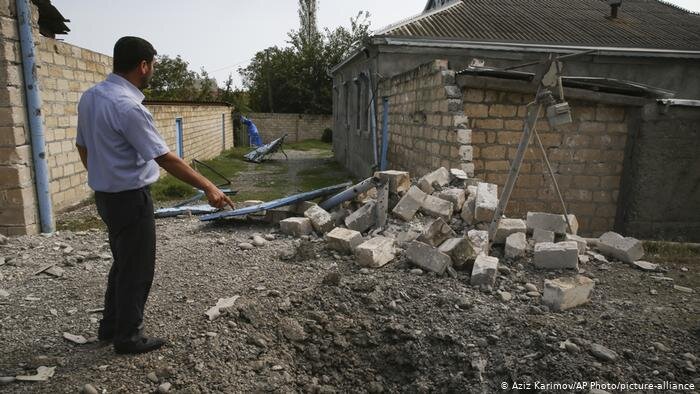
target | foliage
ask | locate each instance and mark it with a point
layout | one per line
(327, 136)
(173, 80)
(296, 78)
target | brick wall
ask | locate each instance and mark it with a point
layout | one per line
(427, 126)
(64, 73)
(587, 156)
(299, 127)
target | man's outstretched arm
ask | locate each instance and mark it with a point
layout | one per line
(180, 170)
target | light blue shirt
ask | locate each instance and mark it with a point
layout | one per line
(120, 137)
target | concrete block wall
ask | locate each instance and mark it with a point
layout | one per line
(18, 212)
(64, 72)
(427, 126)
(299, 127)
(207, 129)
(587, 155)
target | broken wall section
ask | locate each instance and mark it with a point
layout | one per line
(427, 126)
(587, 155)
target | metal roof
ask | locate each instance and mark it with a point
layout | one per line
(649, 24)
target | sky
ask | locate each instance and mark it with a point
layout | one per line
(220, 35)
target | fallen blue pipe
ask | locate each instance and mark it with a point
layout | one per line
(348, 194)
(277, 203)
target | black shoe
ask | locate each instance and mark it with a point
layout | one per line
(138, 345)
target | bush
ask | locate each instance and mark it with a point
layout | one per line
(327, 136)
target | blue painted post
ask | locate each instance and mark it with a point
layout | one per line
(385, 133)
(36, 123)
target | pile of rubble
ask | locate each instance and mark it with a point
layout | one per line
(439, 224)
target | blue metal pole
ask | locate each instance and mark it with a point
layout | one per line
(36, 124)
(385, 133)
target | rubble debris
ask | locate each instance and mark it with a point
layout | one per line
(382, 208)
(4, 293)
(164, 387)
(546, 221)
(348, 194)
(582, 243)
(42, 374)
(296, 226)
(480, 240)
(428, 257)
(602, 353)
(437, 207)
(507, 227)
(4, 240)
(467, 212)
(456, 196)
(321, 220)
(486, 201)
(246, 246)
(89, 389)
(562, 255)
(458, 174)
(199, 209)
(484, 271)
(376, 252)
(259, 241)
(436, 233)
(516, 245)
(539, 236)
(409, 204)
(292, 330)
(362, 219)
(646, 266)
(683, 289)
(399, 181)
(460, 250)
(78, 339)
(627, 250)
(566, 293)
(439, 177)
(573, 223)
(214, 312)
(343, 240)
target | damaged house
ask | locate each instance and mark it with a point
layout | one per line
(440, 87)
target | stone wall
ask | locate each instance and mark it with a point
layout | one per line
(64, 72)
(299, 127)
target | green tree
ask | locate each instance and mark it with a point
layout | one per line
(296, 79)
(173, 80)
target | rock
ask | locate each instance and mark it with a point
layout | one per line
(460, 250)
(441, 177)
(683, 289)
(572, 347)
(456, 173)
(546, 221)
(409, 204)
(456, 196)
(562, 255)
(3, 240)
(540, 236)
(531, 287)
(321, 221)
(484, 271)
(78, 339)
(153, 377)
(614, 245)
(259, 241)
(602, 353)
(516, 245)
(214, 312)
(660, 347)
(4, 293)
(427, 257)
(343, 240)
(437, 207)
(296, 226)
(164, 388)
(363, 219)
(580, 241)
(276, 215)
(287, 252)
(646, 266)
(246, 246)
(416, 271)
(505, 296)
(436, 233)
(507, 227)
(467, 213)
(89, 389)
(292, 330)
(376, 252)
(331, 279)
(479, 240)
(486, 202)
(573, 222)
(566, 293)
(399, 181)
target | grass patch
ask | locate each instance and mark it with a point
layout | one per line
(328, 174)
(170, 188)
(81, 224)
(308, 145)
(667, 251)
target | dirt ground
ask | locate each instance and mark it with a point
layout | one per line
(310, 320)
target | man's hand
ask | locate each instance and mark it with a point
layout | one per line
(217, 198)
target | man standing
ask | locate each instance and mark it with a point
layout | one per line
(119, 146)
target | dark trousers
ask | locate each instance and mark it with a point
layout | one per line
(132, 238)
